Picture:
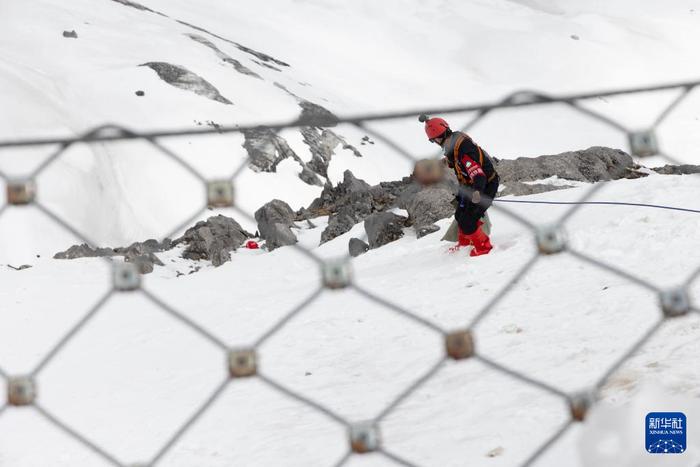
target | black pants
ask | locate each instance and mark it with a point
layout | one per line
(467, 213)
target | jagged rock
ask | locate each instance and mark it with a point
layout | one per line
(223, 56)
(684, 169)
(331, 198)
(140, 253)
(213, 239)
(70, 34)
(590, 165)
(346, 204)
(145, 262)
(322, 144)
(182, 78)
(355, 208)
(316, 115)
(383, 228)
(83, 251)
(266, 149)
(356, 247)
(523, 189)
(275, 220)
(309, 177)
(428, 206)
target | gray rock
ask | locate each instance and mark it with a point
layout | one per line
(590, 165)
(355, 208)
(523, 189)
(356, 247)
(213, 239)
(280, 235)
(182, 78)
(309, 177)
(429, 206)
(352, 184)
(275, 220)
(266, 149)
(322, 144)
(140, 253)
(315, 115)
(145, 262)
(383, 228)
(426, 230)
(684, 169)
(332, 198)
(70, 34)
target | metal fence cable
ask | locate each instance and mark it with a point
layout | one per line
(51, 354)
(304, 400)
(547, 444)
(521, 99)
(77, 436)
(185, 320)
(190, 422)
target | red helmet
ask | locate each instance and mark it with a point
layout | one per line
(434, 127)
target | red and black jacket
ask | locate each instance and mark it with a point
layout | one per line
(472, 165)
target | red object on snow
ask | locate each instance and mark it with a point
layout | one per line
(252, 245)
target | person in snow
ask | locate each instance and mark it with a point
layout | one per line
(478, 182)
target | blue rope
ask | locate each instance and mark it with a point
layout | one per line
(606, 203)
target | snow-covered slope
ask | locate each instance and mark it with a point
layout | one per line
(134, 373)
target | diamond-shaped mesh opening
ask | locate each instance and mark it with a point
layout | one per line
(531, 329)
(344, 364)
(253, 424)
(141, 192)
(469, 414)
(114, 370)
(28, 440)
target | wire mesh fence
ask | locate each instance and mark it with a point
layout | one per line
(243, 362)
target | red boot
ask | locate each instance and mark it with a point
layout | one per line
(462, 240)
(481, 242)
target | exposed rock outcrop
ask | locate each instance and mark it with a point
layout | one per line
(182, 78)
(213, 240)
(383, 228)
(275, 222)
